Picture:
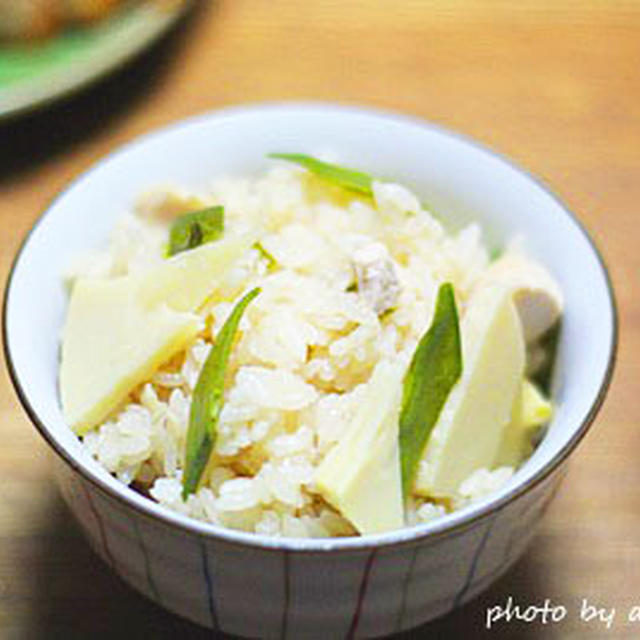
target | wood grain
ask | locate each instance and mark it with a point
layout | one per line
(553, 84)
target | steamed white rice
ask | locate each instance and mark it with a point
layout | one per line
(306, 348)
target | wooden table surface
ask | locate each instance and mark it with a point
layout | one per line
(555, 85)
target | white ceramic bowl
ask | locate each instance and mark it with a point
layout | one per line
(289, 588)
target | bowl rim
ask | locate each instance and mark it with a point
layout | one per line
(435, 529)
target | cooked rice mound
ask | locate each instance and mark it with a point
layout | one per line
(346, 281)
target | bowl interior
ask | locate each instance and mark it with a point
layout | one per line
(459, 179)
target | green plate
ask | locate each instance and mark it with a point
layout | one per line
(33, 75)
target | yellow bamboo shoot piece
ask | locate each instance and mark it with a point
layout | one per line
(531, 410)
(360, 476)
(119, 331)
(471, 425)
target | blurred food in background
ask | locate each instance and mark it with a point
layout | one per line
(37, 19)
(51, 48)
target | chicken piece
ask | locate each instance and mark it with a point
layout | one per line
(536, 294)
(166, 205)
(376, 277)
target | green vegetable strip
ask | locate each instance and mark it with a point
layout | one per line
(548, 343)
(195, 228)
(435, 368)
(272, 263)
(206, 403)
(341, 176)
